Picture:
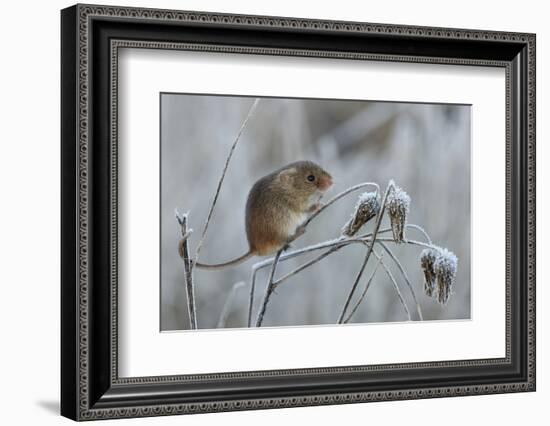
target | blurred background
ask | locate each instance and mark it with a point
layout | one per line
(425, 148)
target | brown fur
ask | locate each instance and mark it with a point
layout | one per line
(277, 204)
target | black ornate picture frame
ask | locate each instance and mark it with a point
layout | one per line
(90, 385)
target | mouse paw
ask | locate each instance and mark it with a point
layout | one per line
(300, 230)
(315, 207)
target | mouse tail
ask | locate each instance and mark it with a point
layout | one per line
(233, 262)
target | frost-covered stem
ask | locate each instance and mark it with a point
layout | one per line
(227, 305)
(393, 281)
(309, 263)
(355, 284)
(369, 251)
(412, 242)
(183, 249)
(336, 244)
(338, 196)
(341, 241)
(395, 286)
(420, 229)
(255, 268)
(220, 182)
(330, 243)
(269, 290)
(402, 270)
(299, 252)
(364, 293)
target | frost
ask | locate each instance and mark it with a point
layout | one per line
(445, 267)
(427, 260)
(439, 266)
(367, 207)
(397, 203)
(182, 218)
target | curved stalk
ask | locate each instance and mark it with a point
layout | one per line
(405, 276)
(228, 302)
(420, 229)
(364, 292)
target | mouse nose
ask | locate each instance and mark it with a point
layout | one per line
(327, 182)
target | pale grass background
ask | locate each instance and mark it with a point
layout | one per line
(424, 147)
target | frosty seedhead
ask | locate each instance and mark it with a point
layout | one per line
(427, 260)
(445, 268)
(368, 206)
(439, 266)
(397, 203)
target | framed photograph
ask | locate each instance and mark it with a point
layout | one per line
(263, 212)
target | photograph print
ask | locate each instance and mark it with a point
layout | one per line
(281, 212)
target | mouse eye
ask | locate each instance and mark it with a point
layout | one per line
(311, 178)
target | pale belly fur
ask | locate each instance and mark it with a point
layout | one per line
(294, 221)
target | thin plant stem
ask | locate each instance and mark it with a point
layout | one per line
(411, 242)
(269, 290)
(228, 302)
(395, 286)
(393, 281)
(367, 286)
(268, 262)
(251, 296)
(183, 249)
(367, 256)
(220, 182)
(308, 264)
(420, 229)
(314, 247)
(355, 284)
(402, 270)
(337, 241)
(334, 245)
(295, 253)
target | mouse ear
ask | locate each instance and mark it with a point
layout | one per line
(285, 176)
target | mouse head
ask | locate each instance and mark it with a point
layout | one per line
(305, 178)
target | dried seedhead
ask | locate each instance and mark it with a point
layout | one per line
(397, 203)
(368, 206)
(445, 267)
(427, 260)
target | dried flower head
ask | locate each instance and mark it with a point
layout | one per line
(427, 260)
(368, 206)
(445, 267)
(397, 203)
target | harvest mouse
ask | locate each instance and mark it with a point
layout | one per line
(278, 204)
